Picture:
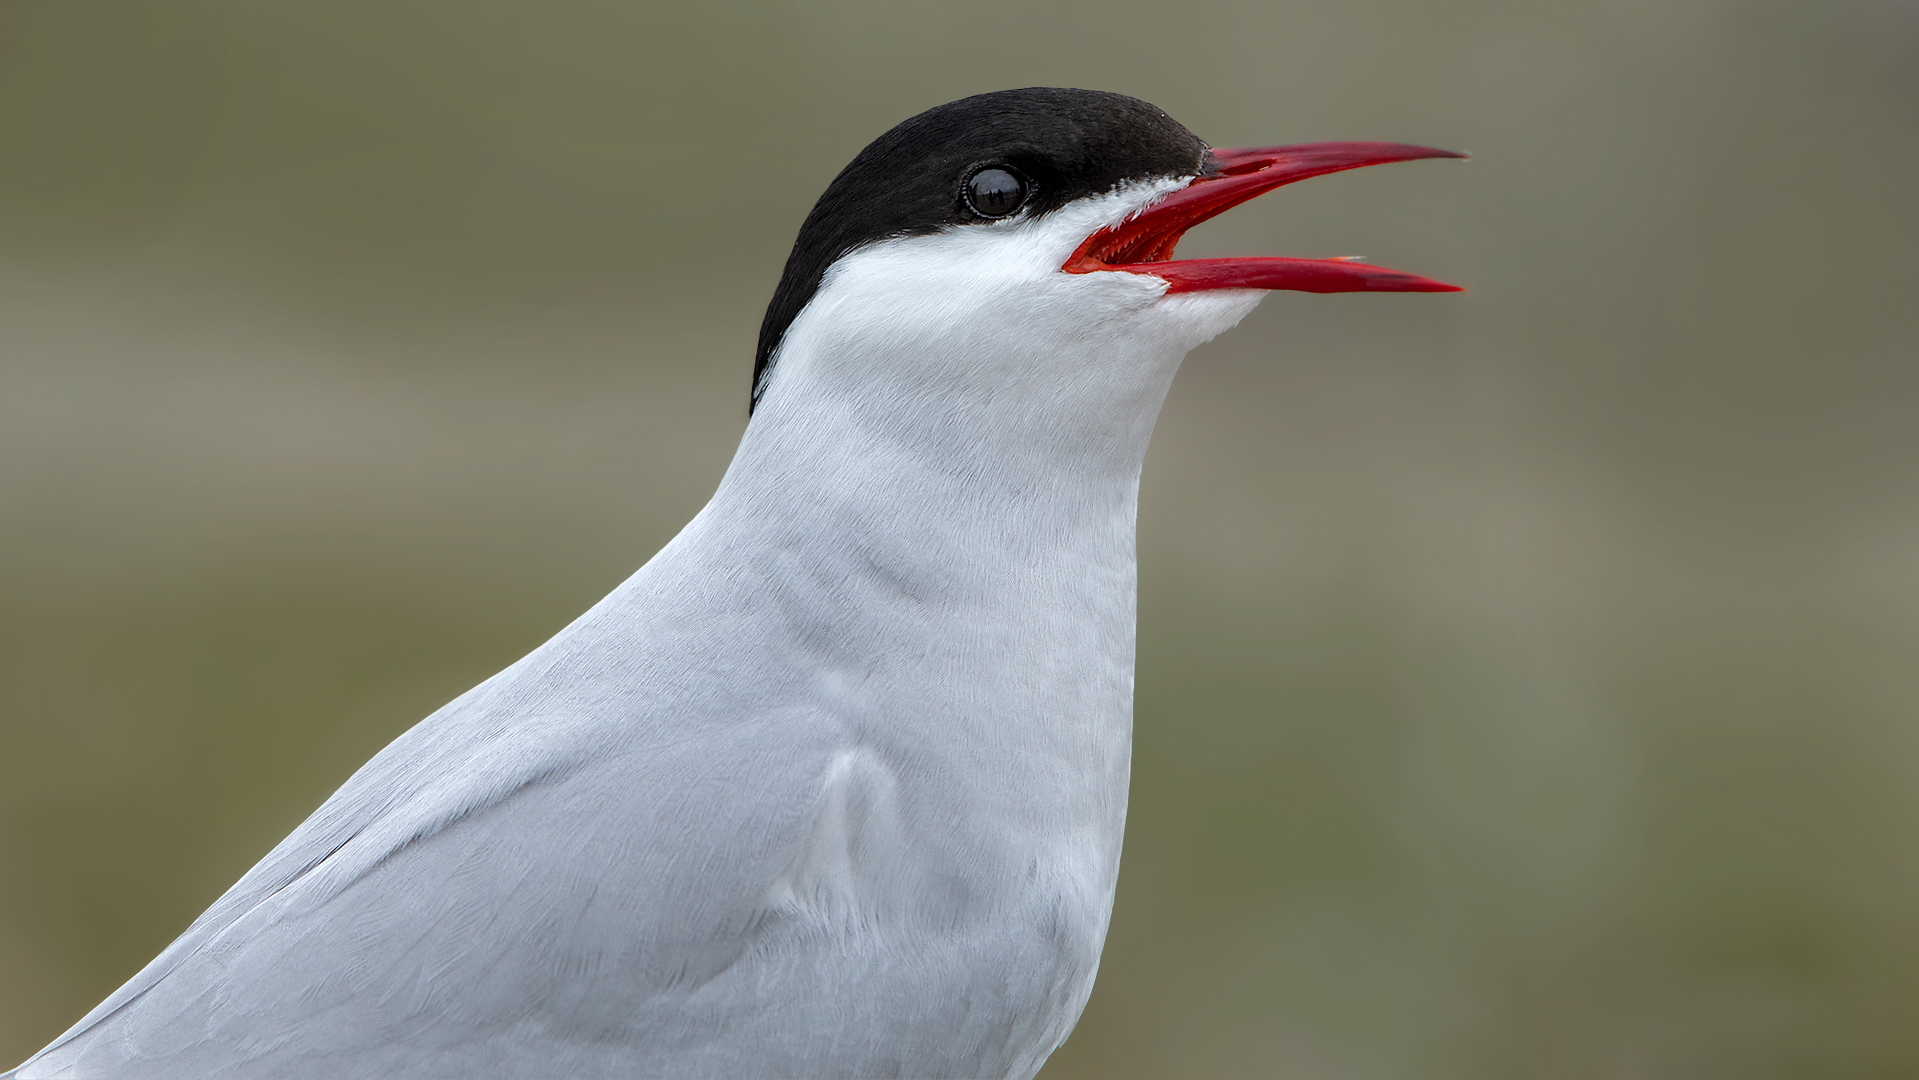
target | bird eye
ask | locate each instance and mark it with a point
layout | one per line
(995, 192)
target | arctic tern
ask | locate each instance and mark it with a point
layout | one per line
(835, 784)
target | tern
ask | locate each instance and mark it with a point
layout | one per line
(833, 785)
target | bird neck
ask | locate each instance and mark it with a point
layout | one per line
(930, 590)
(937, 461)
(970, 518)
(981, 476)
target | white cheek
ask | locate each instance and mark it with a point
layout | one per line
(1202, 316)
(977, 310)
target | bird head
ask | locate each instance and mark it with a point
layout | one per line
(1018, 247)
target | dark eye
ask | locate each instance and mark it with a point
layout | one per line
(995, 192)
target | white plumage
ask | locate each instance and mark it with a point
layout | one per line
(834, 785)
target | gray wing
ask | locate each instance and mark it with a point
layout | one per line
(631, 853)
(521, 884)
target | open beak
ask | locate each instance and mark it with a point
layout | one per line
(1143, 243)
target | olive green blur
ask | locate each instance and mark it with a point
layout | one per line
(1529, 677)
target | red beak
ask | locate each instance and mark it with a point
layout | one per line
(1143, 243)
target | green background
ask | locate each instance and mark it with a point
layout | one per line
(1528, 678)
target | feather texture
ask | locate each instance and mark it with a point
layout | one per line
(834, 785)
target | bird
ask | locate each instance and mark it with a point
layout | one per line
(835, 784)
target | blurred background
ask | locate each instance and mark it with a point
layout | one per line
(1528, 679)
